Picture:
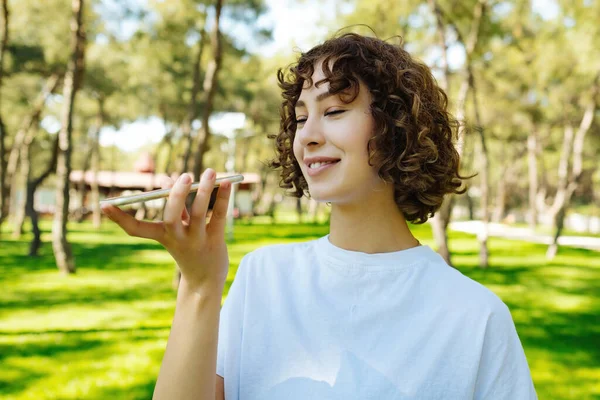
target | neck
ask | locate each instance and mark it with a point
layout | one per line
(375, 225)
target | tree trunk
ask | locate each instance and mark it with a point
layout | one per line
(540, 198)
(470, 206)
(95, 166)
(192, 112)
(563, 170)
(210, 89)
(60, 245)
(36, 242)
(171, 150)
(558, 220)
(82, 185)
(568, 182)
(20, 209)
(4, 200)
(441, 32)
(23, 134)
(439, 222)
(439, 226)
(442, 218)
(500, 203)
(30, 197)
(275, 200)
(484, 178)
(533, 178)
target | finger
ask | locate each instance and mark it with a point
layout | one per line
(132, 226)
(176, 205)
(185, 217)
(166, 182)
(200, 204)
(219, 212)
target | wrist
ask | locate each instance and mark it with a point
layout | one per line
(206, 291)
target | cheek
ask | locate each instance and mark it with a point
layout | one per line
(297, 151)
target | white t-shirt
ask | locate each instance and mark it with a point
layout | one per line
(314, 321)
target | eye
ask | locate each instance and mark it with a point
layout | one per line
(334, 112)
(301, 120)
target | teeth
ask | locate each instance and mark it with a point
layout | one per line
(318, 164)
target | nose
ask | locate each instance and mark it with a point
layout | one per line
(311, 133)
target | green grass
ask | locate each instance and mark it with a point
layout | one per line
(102, 332)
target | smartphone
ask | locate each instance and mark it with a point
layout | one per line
(162, 193)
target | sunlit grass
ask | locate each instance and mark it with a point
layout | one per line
(102, 332)
(548, 230)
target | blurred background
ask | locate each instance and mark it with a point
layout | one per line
(101, 98)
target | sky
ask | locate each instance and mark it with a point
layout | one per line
(292, 23)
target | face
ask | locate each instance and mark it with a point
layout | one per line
(331, 144)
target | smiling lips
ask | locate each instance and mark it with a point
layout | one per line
(316, 165)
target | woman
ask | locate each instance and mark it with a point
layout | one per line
(365, 312)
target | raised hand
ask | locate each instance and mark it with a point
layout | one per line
(198, 248)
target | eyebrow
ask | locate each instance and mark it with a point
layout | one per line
(320, 97)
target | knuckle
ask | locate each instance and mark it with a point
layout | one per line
(178, 192)
(166, 183)
(195, 212)
(130, 230)
(205, 190)
(170, 224)
(219, 214)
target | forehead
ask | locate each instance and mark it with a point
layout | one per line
(318, 75)
(313, 91)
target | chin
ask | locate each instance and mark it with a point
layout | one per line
(328, 195)
(322, 196)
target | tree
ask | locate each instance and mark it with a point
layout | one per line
(20, 151)
(569, 178)
(210, 88)
(60, 245)
(441, 220)
(3, 45)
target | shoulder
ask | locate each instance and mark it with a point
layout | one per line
(454, 290)
(277, 256)
(280, 250)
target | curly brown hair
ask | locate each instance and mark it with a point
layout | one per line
(413, 143)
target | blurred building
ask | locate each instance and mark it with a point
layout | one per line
(142, 178)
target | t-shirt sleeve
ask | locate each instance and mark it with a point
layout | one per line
(503, 370)
(231, 327)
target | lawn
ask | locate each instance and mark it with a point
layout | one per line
(101, 333)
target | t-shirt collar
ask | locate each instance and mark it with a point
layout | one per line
(395, 259)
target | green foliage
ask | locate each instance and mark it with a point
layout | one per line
(532, 70)
(102, 332)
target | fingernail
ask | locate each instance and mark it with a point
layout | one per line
(210, 173)
(185, 179)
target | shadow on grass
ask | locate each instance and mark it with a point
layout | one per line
(138, 391)
(96, 298)
(555, 304)
(79, 332)
(11, 386)
(40, 355)
(42, 349)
